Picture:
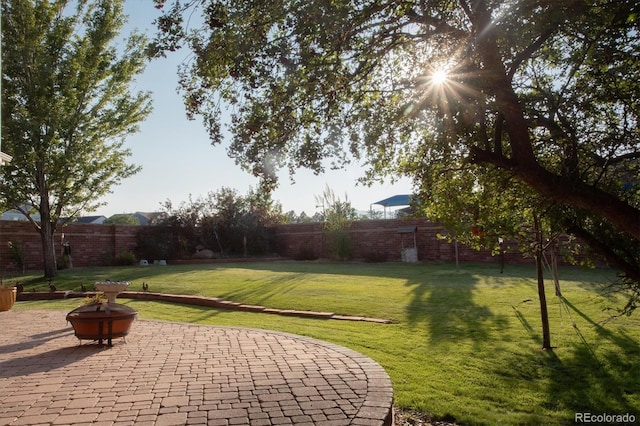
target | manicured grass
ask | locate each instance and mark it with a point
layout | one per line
(463, 345)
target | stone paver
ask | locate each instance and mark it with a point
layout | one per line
(182, 374)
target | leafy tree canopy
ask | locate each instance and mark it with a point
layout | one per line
(225, 220)
(66, 106)
(122, 219)
(545, 91)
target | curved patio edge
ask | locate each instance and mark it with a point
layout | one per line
(377, 407)
(184, 373)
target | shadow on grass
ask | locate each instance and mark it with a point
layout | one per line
(587, 376)
(445, 301)
(580, 383)
(263, 291)
(72, 279)
(523, 320)
(590, 380)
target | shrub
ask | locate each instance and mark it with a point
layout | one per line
(125, 258)
(16, 254)
(155, 242)
(63, 262)
(340, 244)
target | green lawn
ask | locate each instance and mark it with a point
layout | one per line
(463, 345)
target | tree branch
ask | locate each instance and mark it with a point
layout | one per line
(482, 156)
(631, 271)
(526, 53)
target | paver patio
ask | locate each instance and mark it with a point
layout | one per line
(177, 374)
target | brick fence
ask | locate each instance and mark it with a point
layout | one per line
(91, 245)
(381, 239)
(97, 245)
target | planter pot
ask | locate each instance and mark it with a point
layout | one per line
(101, 321)
(7, 298)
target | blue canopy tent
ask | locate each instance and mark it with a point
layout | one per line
(408, 254)
(396, 200)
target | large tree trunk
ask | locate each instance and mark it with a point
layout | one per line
(48, 249)
(579, 194)
(46, 228)
(563, 189)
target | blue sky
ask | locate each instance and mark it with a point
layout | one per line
(178, 159)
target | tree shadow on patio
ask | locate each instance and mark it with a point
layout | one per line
(35, 340)
(43, 362)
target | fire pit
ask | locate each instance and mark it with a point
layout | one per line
(100, 321)
(103, 320)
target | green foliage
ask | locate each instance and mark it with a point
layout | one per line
(63, 262)
(545, 92)
(336, 216)
(125, 258)
(8, 284)
(292, 217)
(225, 221)
(66, 107)
(465, 198)
(122, 219)
(96, 299)
(340, 244)
(480, 205)
(159, 242)
(15, 251)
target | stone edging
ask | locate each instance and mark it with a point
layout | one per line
(213, 302)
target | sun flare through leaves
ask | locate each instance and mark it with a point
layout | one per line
(439, 76)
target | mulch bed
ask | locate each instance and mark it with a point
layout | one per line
(414, 418)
